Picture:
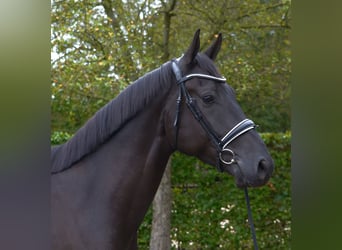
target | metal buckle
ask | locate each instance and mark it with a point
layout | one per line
(232, 156)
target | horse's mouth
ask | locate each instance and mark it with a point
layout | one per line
(234, 169)
(240, 180)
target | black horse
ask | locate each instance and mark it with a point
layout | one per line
(105, 177)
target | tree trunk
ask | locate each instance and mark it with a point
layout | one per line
(161, 224)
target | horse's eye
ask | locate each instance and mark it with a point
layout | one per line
(208, 99)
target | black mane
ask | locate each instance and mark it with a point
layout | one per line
(110, 118)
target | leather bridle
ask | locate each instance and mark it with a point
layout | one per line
(221, 144)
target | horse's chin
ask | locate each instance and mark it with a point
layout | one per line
(232, 170)
(236, 173)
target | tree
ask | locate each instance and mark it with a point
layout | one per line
(99, 48)
(102, 46)
(161, 223)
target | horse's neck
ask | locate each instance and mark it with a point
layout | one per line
(117, 182)
(131, 164)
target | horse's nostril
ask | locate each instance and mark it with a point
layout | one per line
(263, 169)
(261, 166)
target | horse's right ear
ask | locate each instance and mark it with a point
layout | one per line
(213, 50)
(192, 51)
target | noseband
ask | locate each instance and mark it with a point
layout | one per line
(221, 144)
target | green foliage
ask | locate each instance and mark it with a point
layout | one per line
(59, 137)
(96, 54)
(99, 47)
(209, 212)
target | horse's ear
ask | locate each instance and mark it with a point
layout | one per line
(215, 47)
(192, 51)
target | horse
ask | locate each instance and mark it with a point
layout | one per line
(105, 177)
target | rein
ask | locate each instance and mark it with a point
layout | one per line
(221, 145)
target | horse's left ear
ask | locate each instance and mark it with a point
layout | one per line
(215, 47)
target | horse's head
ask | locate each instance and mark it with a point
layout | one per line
(208, 122)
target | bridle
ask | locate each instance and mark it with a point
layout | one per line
(222, 144)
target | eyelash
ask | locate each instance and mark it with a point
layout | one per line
(208, 99)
